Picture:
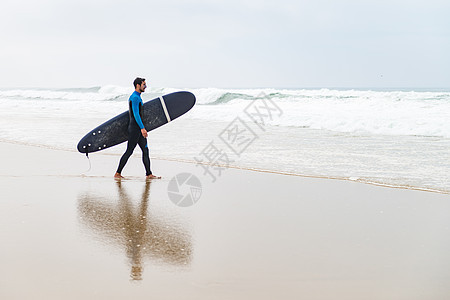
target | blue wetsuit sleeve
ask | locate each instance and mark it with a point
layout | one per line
(135, 107)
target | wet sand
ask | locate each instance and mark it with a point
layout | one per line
(67, 234)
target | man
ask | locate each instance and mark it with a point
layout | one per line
(137, 135)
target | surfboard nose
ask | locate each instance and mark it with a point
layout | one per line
(179, 103)
(190, 98)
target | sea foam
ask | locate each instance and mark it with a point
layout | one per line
(368, 112)
(398, 138)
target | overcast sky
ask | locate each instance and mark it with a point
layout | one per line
(227, 44)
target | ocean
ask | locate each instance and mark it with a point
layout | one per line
(398, 138)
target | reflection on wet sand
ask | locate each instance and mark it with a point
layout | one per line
(142, 234)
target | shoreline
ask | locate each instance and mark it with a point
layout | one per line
(268, 171)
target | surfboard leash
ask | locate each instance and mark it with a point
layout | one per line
(89, 160)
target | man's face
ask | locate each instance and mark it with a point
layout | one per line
(142, 87)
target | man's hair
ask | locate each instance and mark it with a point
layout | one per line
(138, 81)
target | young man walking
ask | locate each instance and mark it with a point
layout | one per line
(137, 135)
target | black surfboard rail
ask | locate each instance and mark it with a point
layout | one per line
(156, 112)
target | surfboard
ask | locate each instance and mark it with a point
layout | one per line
(156, 112)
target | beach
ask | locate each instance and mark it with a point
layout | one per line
(300, 150)
(69, 233)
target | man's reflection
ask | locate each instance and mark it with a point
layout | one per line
(142, 234)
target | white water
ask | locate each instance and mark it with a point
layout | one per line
(390, 137)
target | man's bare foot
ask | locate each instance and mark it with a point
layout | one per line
(118, 176)
(152, 177)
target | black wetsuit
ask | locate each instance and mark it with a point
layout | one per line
(135, 136)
